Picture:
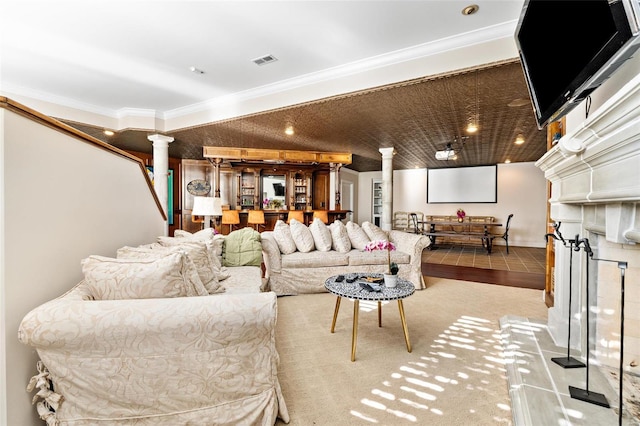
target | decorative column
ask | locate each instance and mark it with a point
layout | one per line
(335, 169)
(387, 187)
(216, 174)
(161, 171)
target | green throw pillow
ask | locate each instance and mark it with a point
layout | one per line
(242, 248)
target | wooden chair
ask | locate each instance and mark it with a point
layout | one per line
(323, 215)
(295, 214)
(231, 218)
(505, 234)
(401, 221)
(415, 227)
(256, 219)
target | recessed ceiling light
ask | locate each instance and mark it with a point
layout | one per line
(507, 161)
(472, 128)
(471, 9)
(109, 133)
(519, 102)
(519, 139)
(196, 70)
(289, 130)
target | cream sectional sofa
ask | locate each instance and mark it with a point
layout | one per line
(303, 267)
(146, 354)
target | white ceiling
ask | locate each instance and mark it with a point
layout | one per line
(118, 58)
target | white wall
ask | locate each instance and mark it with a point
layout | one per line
(365, 195)
(521, 191)
(64, 199)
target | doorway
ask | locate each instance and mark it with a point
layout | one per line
(346, 198)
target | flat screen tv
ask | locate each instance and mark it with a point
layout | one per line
(570, 47)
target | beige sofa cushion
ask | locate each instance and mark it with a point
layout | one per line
(195, 250)
(374, 232)
(172, 275)
(378, 257)
(302, 236)
(283, 237)
(245, 279)
(358, 237)
(321, 235)
(340, 241)
(314, 259)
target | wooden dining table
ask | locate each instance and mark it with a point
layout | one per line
(458, 229)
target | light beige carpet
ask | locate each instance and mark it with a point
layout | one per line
(454, 376)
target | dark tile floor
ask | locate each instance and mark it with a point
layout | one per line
(519, 259)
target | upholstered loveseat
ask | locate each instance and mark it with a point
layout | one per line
(145, 340)
(299, 260)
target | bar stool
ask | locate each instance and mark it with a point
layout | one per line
(256, 217)
(323, 215)
(231, 218)
(295, 214)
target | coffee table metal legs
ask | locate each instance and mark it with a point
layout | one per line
(404, 325)
(354, 332)
(335, 314)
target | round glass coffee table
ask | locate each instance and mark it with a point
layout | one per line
(353, 290)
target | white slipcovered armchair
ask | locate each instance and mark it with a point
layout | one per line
(166, 361)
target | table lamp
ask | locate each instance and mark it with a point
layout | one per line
(207, 207)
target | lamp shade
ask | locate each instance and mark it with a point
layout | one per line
(207, 206)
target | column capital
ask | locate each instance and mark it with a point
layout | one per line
(387, 152)
(160, 138)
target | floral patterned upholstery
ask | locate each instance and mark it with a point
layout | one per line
(188, 360)
(165, 361)
(299, 272)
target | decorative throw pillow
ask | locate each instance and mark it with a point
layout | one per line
(242, 248)
(358, 237)
(216, 246)
(302, 236)
(283, 237)
(203, 234)
(214, 243)
(374, 232)
(196, 252)
(158, 277)
(321, 235)
(340, 237)
(214, 249)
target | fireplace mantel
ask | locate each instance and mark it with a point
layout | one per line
(594, 170)
(598, 164)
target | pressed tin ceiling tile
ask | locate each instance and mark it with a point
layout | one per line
(416, 117)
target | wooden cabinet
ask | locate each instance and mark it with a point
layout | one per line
(192, 171)
(300, 190)
(249, 189)
(321, 190)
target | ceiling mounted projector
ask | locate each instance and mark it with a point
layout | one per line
(447, 154)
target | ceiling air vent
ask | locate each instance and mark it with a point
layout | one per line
(263, 60)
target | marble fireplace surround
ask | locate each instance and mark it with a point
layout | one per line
(595, 175)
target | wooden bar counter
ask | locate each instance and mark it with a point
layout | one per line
(272, 216)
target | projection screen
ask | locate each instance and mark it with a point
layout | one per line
(463, 185)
